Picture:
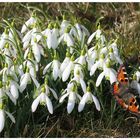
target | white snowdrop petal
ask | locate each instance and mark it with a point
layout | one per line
(26, 53)
(112, 77)
(11, 97)
(35, 82)
(63, 97)
(69, 40)
(27, 36)
(64, 64)
(61, 38)
(46, 68)
(55, 69)
(49, 105)
(91, 37)
(119, 60)
(24, 81)
(94, 67)
(54, 93)
(25, 44)
(99, 79)
(2, 119)
(54, 41)
(67, 71)
(138, 75)
(14, 91)
(32, 71)
(70, 106)
(97, 104)
(82, 102)
(83, 85)
(36, 52)
(24, 28)
(35, 103)
(11, 117)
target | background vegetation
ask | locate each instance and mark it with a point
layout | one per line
(121, 18)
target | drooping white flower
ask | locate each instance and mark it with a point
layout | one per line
(98, 64)
(55, 66)
(3, 40)
(25, 79)
(52, 40)
(68, 69)
(64, 26)
(12, 90)
(30, 36)
(43, 98)
(2, 118)
(37, 51)
(109, 73)
(64, 64)
(91, 56)
(96, 34)
(79, 77)
(7, 55)
(113, 53)
(88, 97)
(66, 37)
(28, 23)
(72, 95)
(79, 31)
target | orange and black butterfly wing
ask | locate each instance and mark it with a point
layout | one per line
(121, 92)
(122, 76)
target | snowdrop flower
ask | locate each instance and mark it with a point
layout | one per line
(43, 98)
(88, 97)
(79, 31)
(17, 68)
(51, 36)
(28, 23)
(30, 64)
(7, 55)
(2, 117)
(12, 90)
(68, 69)
(3, 38)
(6, 71)
(2, 111)
(55, 66)
(135, 83)
(82, 59)
(67, 37)
(91, 56)
(79, 77)
(52, 40)
(109, 73)
(96, 34)
(98, 64)
(31, 36)
(25, 79)
(73, 96)
(65, 62)
(113, 52)
(64, 25)
(37, 51)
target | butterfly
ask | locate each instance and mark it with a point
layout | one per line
(126, 96)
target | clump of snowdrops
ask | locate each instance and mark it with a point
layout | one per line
(62, 52)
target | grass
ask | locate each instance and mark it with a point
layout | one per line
(112, 121)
